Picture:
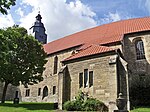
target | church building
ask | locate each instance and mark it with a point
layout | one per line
(102, 61)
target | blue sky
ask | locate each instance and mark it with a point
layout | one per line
(64, 17)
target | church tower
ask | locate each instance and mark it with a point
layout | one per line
(39, 30)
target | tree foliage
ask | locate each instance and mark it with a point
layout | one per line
(22, 58)
(140, 91)
(5, 5)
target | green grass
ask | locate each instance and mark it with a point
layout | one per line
(43, 107)
(141, 109)
(26, 107)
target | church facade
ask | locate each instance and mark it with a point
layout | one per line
(102, 62)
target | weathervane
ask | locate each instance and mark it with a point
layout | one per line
(38, 10)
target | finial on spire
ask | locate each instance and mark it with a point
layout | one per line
(38, 17)
(38, 10)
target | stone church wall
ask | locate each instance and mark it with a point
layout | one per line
(105, 77)
(100, 66)
(137, 68)
(50, 80)
(10, 94)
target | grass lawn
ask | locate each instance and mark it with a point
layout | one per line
(27, 107)
(43, 107)
(141, 109)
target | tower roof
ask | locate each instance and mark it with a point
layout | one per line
(38, 17)
(104, 34)
(39, 30)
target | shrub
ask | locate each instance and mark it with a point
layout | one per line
(92, 104)
(69, 105)
(140, 95)
(85, 103)
(73, 105)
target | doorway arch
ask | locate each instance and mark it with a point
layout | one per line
(45, 92)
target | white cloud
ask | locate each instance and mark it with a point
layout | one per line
(20, 12)
(6, 21)
(60, 18)
(113, 17)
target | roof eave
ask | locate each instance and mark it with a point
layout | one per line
(65, 60)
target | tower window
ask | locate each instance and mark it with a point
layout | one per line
(140, 53)
(55, 64)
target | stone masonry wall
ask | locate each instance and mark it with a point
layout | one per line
(136, 68)
(10, 94)
(50, 80)
(105, 78)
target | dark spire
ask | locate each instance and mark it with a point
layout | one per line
(38, 17)
(39, 30)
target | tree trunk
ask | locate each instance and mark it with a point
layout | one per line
(4, 92)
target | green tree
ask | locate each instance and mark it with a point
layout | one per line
(22, 58)
(5, 5)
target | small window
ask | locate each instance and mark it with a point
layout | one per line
(91, 78)
(54, 90)
(80, 80)
(27, 92)
(86, 78)
(140, 53)
(55, 64)
(39, 91)
(73, 52)
(45, 91)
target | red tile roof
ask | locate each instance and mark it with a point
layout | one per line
(90, 50)
(103, 34)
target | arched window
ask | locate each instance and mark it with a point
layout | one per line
(45, 91)
(140, 53)
(55, 64)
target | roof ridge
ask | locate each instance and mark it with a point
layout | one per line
(91, 51)
(99, 26)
